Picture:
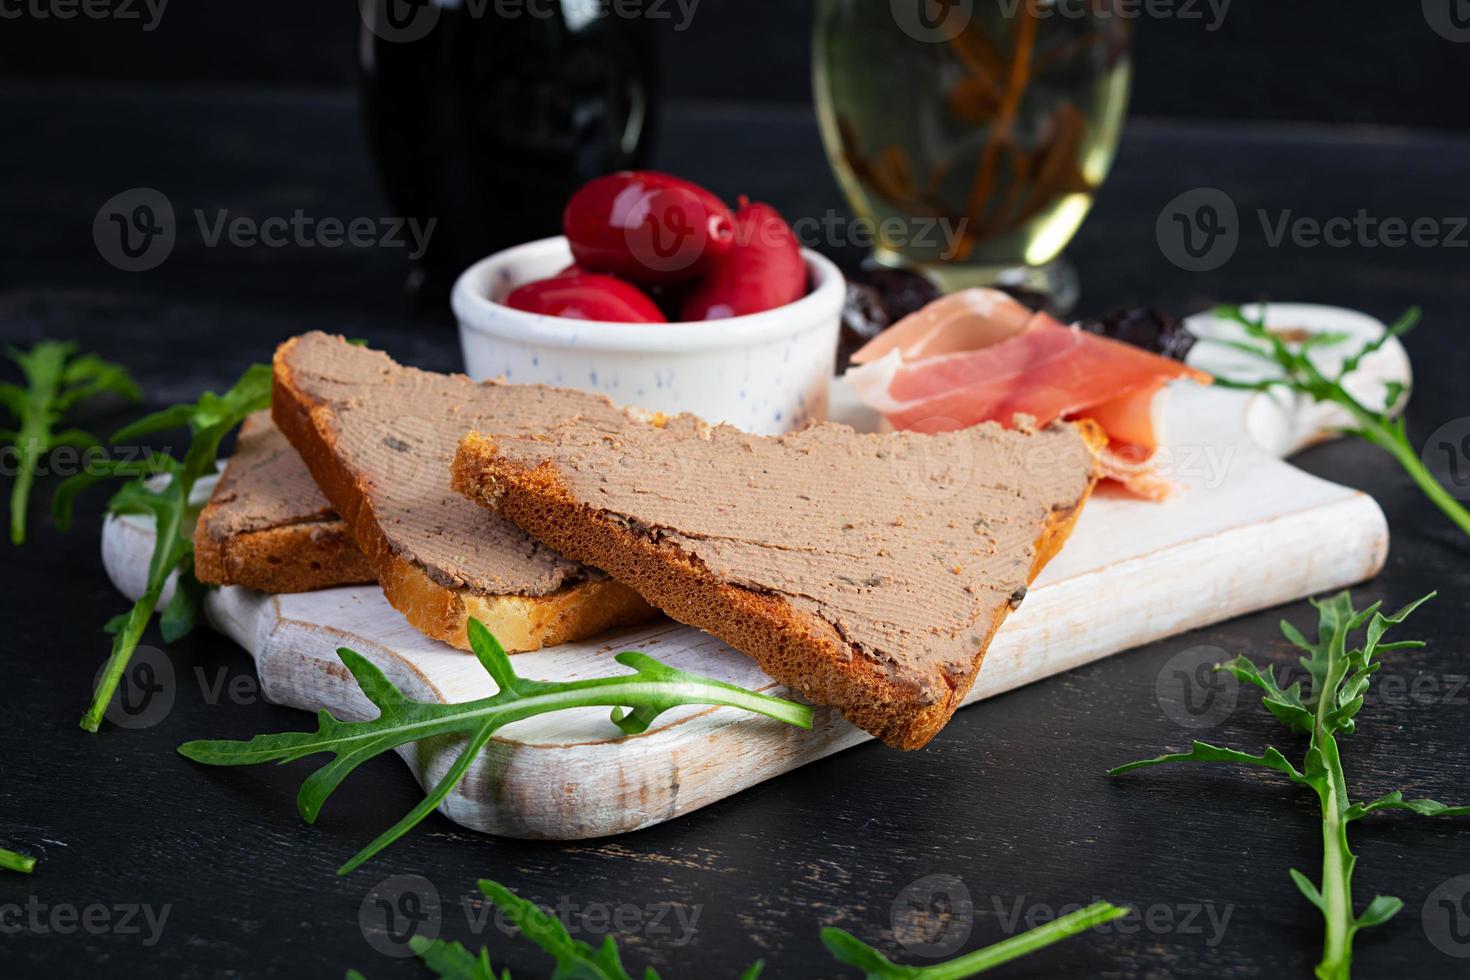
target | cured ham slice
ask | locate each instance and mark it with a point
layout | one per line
(1046, 371)
(1130, 467)
(962, 321)
(979, 356)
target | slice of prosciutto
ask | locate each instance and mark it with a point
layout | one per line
(962, 321)
(1025, 366)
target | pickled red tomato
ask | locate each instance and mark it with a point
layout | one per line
(763, 270)
(586, 296)
(647, 227)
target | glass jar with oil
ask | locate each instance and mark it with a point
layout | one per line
(973, 134)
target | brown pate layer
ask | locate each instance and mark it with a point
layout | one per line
(395, 429)
(909, 547)
(378, 438)
(267, 526)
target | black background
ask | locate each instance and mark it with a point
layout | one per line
(249, 106)
(1355, 62)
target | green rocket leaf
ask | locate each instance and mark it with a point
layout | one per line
(56, 382)
(651, 689)
(11, 861)
(209, 421)
(1339, 674)
(875, 966)
(1300, 375)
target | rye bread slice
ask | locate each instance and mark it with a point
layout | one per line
(378, 438)
(867, 572)
(268, 527)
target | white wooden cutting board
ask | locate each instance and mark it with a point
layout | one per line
(1246, 531)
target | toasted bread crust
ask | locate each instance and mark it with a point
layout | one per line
(520, 622)
(300, 557)
(800, 650)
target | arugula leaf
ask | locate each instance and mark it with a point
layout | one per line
(1396, 801)
(576, 960)
(11, 861)
(1299, 374)
(652, 689)
(451, 961)
(1338, 677)
(1205, 752)
(875, 966)
(208, 420)
(56, 382)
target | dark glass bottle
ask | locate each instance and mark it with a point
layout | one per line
(488, 116)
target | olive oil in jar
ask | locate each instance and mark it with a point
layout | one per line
(972, 134)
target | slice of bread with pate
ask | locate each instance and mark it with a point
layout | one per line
(378, 438)
(268, 527)
(868, 572)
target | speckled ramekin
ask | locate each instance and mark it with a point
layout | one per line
(766, 373)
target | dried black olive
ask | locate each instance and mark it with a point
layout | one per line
(900, 290)
(1145, 327)
(863, 318)
(1033, 300)
(877, 298)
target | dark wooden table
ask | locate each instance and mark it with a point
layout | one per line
(1011, 798)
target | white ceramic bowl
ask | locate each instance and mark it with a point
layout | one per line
(767, 372)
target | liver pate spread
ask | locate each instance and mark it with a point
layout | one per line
(265, 485)
(907, 544)
(396, 428)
